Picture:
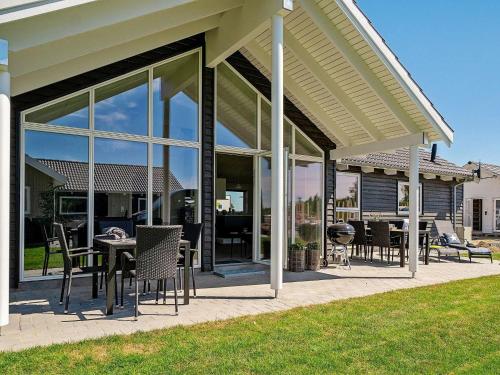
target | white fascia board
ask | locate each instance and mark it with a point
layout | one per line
(14, 10)
(417, 139)
(373, 38)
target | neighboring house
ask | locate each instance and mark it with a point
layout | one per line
(376, 186)
(186, 86)
(482, 199)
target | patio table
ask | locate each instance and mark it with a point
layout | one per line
(402, 246)
(130, 244)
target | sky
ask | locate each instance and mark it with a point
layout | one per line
(452, 50)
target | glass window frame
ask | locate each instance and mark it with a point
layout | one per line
(71, 197)
(356, 210)
(91, 133)
(420, 201)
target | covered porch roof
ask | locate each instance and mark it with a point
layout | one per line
(337, 68)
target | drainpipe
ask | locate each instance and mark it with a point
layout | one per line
(454, 209)
(4, 182)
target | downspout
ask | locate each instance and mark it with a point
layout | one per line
(454, 208)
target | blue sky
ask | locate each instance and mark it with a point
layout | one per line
(452, 50)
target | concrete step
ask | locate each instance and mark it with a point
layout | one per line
(233, 270)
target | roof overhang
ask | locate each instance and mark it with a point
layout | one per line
(337, 69)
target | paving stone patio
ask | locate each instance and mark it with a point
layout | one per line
(38, 319)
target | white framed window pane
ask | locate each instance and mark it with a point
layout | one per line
(236, 111)
(175, 185)
(308, 202)
(345, 216)
(347, 191)
(56, 166)
(265, 133)
(122, 106)
(305, 147)
(72, 112)
(176, 98)
(120, 184)
(404, 198)
(497, 214)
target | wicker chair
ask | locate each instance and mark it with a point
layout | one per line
(191, 233)
(156, 259)
(68, 256)
(381, 237)
(48, 242)
(360, 237)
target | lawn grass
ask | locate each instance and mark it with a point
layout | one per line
(33, 259)
(442, 329)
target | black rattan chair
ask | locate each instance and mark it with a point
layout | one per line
(155, 259)
(381, 237)
(49, 250)
(68, 256)
(191, 233)
(360, 237)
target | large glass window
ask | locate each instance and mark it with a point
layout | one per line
(175, 185)
(236, 111)
(308, 179)
(73, 112)
(303, 146)
(122, 106)
(56, 190)
(57, 168)
(404, 198)
(347, 190)
(175, 99)
(120, 182)
(265, 137)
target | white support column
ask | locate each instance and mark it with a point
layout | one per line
(277, 164)
(414, 196)
(4, 183)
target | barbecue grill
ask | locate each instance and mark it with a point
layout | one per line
(340, 235)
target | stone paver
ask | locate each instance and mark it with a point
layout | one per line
(38, 319)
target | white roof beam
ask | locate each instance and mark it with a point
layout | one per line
(82, 64)
(299, 93)
(330, 85)
(49, 54)
(350, 54)
(417, 139)
(375, 41)
(238, 27)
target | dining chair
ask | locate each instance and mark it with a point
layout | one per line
(381, 237)
(191, 232)
(48, 243)
(155, 258)
(360, 237)
(68, 256)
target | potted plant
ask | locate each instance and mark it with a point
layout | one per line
(296, 257)
(313, 256)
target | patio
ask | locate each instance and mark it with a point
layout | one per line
(38, 319)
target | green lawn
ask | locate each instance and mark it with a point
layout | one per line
(449, 328)
(33, 259)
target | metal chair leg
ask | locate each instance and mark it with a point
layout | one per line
(68, 292)
(136, 313)
(158, 284)
(122, 288)
(194, 283)
(175, 297)
(62, 288)
(164, 291)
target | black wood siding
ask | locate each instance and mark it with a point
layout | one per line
(379, 196)
(208, 169)
(56, 90)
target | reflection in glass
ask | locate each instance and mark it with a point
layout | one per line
(308, 202)
(265, 136)
(236, 111)
(56, 190)
(73, 112)
(305, 147)
(175, 185)
(347, 190)
(122, 106)
(175, 99)
(120, 185)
